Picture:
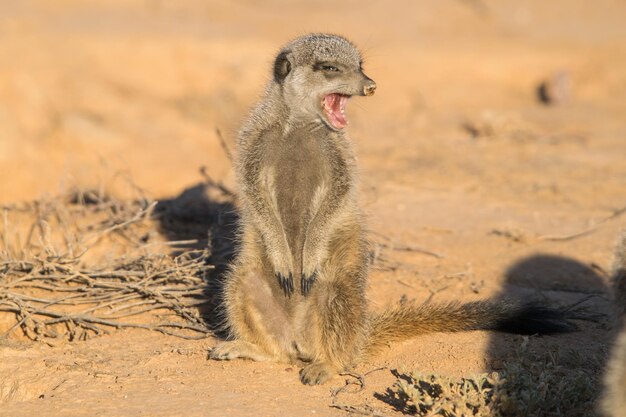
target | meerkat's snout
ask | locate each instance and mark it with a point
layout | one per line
(369, 86)
(334, 104)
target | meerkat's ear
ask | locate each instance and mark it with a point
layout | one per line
(282, 66)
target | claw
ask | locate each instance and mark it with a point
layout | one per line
(307, 282)
(286, 283)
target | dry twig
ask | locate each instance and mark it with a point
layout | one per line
(53, 293)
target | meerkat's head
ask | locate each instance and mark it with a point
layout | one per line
(317, 75)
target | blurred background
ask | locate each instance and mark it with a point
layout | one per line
(91, 88)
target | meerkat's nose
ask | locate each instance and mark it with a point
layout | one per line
(369, 88)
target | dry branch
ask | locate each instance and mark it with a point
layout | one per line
(54, 292)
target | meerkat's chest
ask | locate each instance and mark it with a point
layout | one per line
(301, 171)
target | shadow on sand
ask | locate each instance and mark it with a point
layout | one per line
(576, 359)
(203, 217)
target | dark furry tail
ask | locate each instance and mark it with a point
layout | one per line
(409, 320)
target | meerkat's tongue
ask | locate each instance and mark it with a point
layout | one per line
(335, 107)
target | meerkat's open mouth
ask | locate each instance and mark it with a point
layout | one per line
(334, 106)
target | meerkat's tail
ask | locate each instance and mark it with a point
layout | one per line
(410, 320)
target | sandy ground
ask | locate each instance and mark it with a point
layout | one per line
(457, 156)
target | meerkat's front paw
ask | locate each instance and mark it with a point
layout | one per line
(307, 282)
(311, 267)
(283, 271)
(315, 255)
(316, 373)
(285, 282)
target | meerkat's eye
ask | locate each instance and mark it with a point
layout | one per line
(330, 68)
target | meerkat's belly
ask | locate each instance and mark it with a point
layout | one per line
(300, 178)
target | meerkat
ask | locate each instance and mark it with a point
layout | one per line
(614, 399)
(296, 290)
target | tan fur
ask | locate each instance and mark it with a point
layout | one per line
(614, 399)
(296, 291)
